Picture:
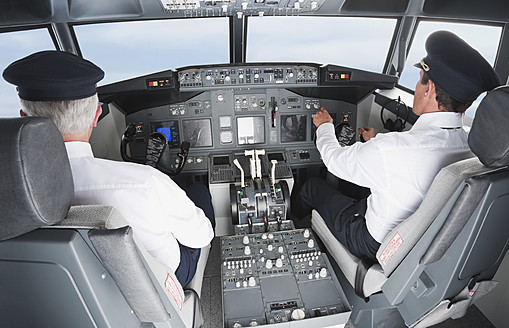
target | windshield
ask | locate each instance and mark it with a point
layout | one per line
(16, 45)
(346, 41)
(129, 49)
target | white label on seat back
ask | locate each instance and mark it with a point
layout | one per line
(171, 287)
(391, 249)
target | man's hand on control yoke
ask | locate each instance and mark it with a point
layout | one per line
(322, 116)
(367, 133)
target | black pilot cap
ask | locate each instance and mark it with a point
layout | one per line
(457, 68)
(53, 75)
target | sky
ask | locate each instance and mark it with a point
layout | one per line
(126, 50)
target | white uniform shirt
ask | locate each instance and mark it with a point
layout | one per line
(398, 167)
(157, 209)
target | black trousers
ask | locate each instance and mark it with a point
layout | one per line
(189, 257)
(343, 215)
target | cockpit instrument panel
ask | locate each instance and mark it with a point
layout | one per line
(221, 77)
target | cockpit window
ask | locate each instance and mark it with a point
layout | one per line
(483, 38)
(16, 45)
(129, 49)
(354, 42)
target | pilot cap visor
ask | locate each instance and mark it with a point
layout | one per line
(457, 68)
(53, 75)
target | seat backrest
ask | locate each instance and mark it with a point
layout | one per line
(454, 243)
(37, 186)
(64, 266)
(453, 192)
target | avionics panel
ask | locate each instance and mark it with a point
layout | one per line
(233, 120)
(170, 129)
(198, 132)
(294, 128)
(250, 130)
(259, 75)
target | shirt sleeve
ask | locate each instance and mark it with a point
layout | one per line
(182, 217)
(360, 163)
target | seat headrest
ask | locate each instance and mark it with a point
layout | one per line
(488, 137)
(37, 186)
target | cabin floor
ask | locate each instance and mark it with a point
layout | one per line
(212, 305)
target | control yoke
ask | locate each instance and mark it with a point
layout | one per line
(155, 147)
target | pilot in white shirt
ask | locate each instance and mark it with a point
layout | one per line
(398, 168)
(171, 226)
(157, 209)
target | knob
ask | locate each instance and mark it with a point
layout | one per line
(245, 240)
(254, 323)
(306, 233)
(298, 314)
(237, 284)
(247, 250)
(280, 249)
(270, 247)
(237, 325)
(323, 272)
(252, 282)
(271, 236)
(264, 236)
(279, 263)
(311, 243)
(268, 264)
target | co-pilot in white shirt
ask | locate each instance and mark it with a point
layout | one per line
(157, 209)
(398, 167)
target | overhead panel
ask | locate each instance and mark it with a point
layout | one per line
(205, 8)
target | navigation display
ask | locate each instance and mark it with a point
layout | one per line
(293, 127)
(170, 129)
(197, 132)
(250, 130)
